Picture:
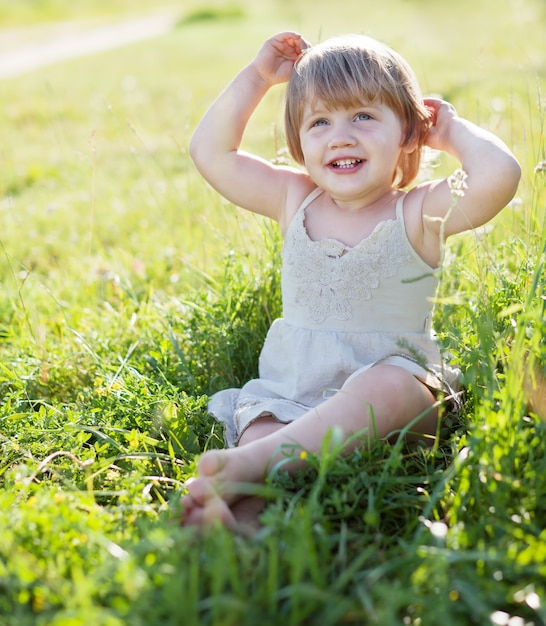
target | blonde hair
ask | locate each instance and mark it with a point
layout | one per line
(348, 71)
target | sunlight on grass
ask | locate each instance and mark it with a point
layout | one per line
(16, 13)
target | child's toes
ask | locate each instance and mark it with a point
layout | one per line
(200, 490)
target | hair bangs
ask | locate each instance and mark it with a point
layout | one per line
(339, 81)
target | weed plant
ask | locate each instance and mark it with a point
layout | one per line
(131, 292)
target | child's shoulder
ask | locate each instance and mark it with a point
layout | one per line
(420, 236)
(300, 188)
(421, 197)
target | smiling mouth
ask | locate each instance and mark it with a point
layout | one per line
(346, 164)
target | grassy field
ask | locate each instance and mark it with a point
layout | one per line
(20, 13)
(131, 291)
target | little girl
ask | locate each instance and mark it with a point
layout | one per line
(354, 349)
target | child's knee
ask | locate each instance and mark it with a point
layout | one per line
(388, 378)
(394, 387)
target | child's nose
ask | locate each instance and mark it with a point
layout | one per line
(341, 137)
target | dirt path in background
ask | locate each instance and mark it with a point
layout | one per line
(52, 44)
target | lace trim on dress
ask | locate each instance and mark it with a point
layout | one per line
(335, 265)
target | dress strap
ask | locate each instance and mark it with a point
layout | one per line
(312, 196)
(400, 208)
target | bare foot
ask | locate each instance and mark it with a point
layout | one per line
(218, 494)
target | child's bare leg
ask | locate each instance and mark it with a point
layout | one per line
(390, 394)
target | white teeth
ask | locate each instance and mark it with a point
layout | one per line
(346, 163)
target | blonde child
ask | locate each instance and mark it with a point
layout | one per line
(354, 349)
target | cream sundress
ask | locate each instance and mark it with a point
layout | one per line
(344, 310)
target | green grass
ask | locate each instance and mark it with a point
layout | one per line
(18, 13)
(131, 292)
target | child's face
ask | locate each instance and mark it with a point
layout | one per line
(350, 151)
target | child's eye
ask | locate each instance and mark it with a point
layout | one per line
(319, 122)
(363, 117)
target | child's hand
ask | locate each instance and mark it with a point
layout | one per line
(441, 115)
(275, 61)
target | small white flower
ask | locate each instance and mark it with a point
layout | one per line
(439, 529)
(457, 183)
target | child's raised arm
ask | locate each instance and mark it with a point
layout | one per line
(492, 171)
(245, 179)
